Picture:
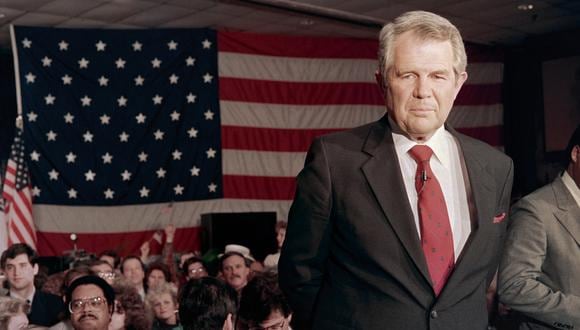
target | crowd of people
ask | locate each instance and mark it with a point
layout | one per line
(109, 292)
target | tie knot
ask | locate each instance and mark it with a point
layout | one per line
(421, 153)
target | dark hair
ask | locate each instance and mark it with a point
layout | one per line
(113, 254)
(574, 141)
(260, 297)
(95, 280)
(74, 273)
(247, 261)
(205, 303)
(281, 225)
(159, 266)
(99, 262)
(189, 261)
(136, 315)
(17, 249)
(132, 257)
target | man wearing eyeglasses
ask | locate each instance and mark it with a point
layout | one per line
(90, 302)
(193, 268)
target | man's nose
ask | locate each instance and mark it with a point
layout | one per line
(422, 88)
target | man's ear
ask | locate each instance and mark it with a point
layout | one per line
(35, 268)
(380, 81)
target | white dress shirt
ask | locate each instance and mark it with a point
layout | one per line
(446, 165)
(572, 186)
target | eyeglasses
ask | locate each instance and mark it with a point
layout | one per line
(277, 326)
(78, 305)
(107, 275)
(197, 270)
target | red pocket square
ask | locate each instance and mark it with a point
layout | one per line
(499, 218)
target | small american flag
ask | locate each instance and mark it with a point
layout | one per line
(17, 196)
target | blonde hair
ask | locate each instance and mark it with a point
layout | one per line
(425, 26)
(155, 293)
(9, 307)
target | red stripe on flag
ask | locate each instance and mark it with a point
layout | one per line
(492, 135)
(296, 46)
(480, 94)
(270, 139)
(259, 187)
(186, 239)
(300, 93)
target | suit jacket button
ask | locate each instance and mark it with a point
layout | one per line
(434, 314)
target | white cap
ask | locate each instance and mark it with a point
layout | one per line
(238, 249)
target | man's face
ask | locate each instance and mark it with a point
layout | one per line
(280, 236)
(104, 271)
(196, 270)
(421, 85)
(235, 272)
(89, 308)
(276, 320)
(20, 272)
(108, 259)
(133, 272)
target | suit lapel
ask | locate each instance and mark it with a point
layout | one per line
(383, 173)
(568, 212)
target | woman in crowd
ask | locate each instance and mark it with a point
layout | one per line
(13, 314)
(157, 274)
(130, 312)
(163, 302)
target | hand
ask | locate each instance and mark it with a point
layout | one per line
(145, 249)
(169, 233)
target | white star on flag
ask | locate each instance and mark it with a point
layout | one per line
(122, 101)
(173, 79)
(109, 193)
(72, 194)
(158, 134)
(49, 99)
(86, 101)
(88, 136)
(175, 115)
(100, 46)
(210, 153)
(66, 79)
(68, 118)
(208, 115)
(194, 171)
(120, 63)
(191, 98)
(139, 80)
(172, 45)
(83, 63)
(176, 155)
(190, 61)
(140, 118)
(30, 78)
(71, 157)
(26, 43)
(124, 137)
(144, 192)
(90, 175)
(53, 175)
(103, 81)
(137, 46)
(206, 44)
(212, 187)
(178, 190)
(32, 116)
(62, 45)
(36, 191)
(156, 63)
(34, 156)
(105, 120)
(207, 78)
(126, 175)
(160, 173)
(142, 157)
(46, 61)
(157, 99)
(107, 158)
(51, 136)
(192, 132)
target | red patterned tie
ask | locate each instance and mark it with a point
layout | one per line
(436, 235)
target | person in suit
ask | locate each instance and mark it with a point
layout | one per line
(359, 251)
(539, 273)
(19, 264)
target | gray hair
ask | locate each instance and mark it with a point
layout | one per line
(426, 26)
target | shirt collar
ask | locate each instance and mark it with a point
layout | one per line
(27, 299)
(437, 142)
(572, 187)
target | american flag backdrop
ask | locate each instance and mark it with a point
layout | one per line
(129, 130)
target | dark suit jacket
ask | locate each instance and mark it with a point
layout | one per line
(352, 257)
(46, 309)
(540, 268)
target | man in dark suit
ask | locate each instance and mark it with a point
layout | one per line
(366, 248)
(539, 275)
(19, 264)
